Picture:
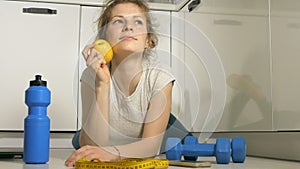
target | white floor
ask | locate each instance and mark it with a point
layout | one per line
(58, 157)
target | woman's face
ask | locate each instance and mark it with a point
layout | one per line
(127, 29)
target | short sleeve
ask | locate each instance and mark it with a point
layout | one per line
(159, 77)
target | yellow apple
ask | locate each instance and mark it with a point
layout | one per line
(104, 48)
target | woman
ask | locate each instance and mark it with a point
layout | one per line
(126, 104)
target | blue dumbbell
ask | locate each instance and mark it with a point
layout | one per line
(238, 149)
(191, 149)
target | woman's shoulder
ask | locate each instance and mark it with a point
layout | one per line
(158, 74)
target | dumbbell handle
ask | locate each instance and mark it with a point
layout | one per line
(198, 150)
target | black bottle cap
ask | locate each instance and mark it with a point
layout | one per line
(38, 81)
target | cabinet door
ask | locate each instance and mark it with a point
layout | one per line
(39, 38)
(241, 42)
(285, 51)
(89, 16)
(88, 33)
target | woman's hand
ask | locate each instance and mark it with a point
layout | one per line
(94, 60)
(92, 153)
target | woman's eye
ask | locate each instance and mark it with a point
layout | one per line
(118, 21)
(139, 22)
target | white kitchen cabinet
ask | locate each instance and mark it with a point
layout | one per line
(39, 38)
(238, 31)
(88, 33)
(285, 25)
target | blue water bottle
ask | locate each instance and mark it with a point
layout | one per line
(37, 123)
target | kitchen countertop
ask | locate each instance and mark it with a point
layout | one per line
(58, 156)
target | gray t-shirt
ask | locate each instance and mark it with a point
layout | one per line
(127, 113)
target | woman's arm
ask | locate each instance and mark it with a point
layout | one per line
(95, 99)
(154, 128)
(95, 108)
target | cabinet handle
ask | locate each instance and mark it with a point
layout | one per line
(33, 10)
(293, 25)
(193, 5)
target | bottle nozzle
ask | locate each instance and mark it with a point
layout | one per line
(38, 81)
(38, 77)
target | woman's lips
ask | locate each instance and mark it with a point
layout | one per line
(128, 38)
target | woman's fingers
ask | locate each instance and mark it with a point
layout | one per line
(95, 60)
(91, 55)
(78, 154)
(91, 153)
(86, 51)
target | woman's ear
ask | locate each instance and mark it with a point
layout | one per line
(147, 44)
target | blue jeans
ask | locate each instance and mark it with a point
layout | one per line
(174, 129)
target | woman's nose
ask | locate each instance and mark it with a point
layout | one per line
(128, 27)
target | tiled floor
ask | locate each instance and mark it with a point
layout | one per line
(58, 157)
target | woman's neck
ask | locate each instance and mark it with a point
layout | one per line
(127, 71)
(126, 63)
